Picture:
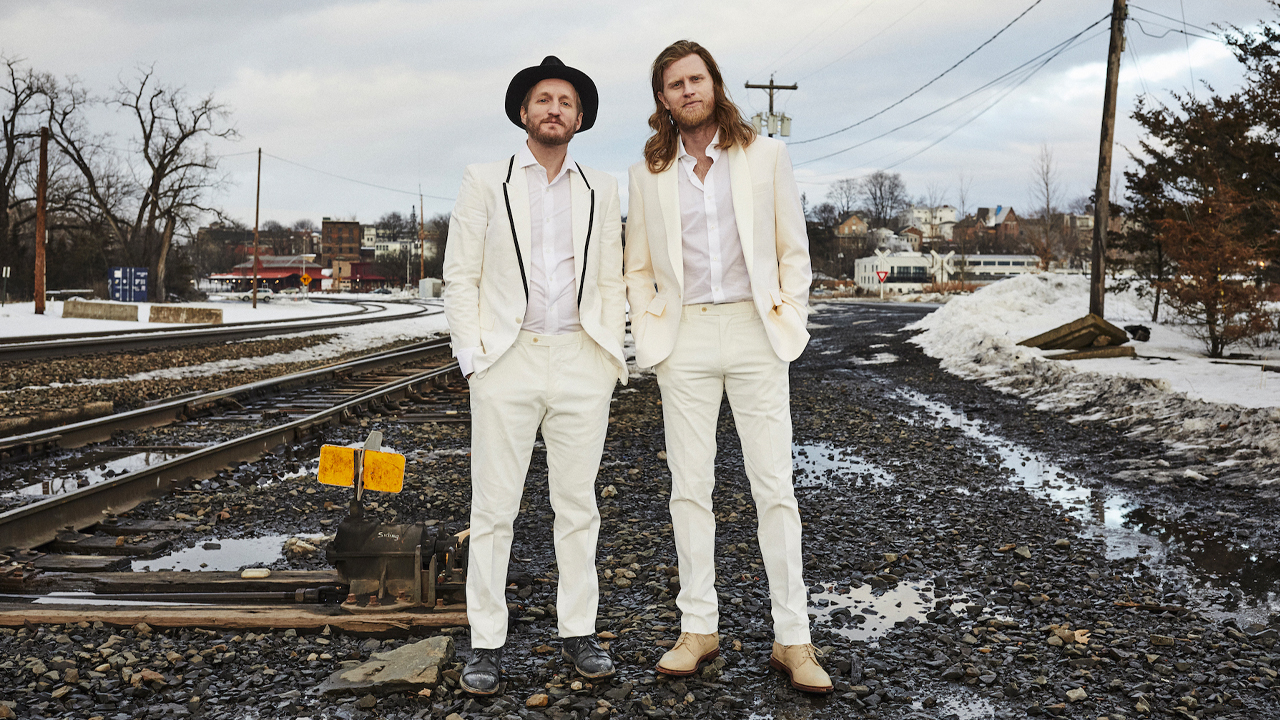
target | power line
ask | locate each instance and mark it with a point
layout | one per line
(806, 37)
(1168, 30)
(936, 78)
(1174, 19)
(1186, 42)
(1051, 53)
(353, 180)
(826, 37)
(883, 30)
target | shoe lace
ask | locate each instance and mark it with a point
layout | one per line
(480, 654)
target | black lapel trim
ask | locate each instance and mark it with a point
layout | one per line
(511, 219)
(586, 248)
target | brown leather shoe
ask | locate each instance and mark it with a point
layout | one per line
(800, 664)
(690, 651)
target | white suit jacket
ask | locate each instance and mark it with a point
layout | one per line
(775, 245)
(487, 260)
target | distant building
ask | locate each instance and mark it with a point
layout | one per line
(932, 222)
(275, 272)
(909, 272)
(340, 240)
(851, 226)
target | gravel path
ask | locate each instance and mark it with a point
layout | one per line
(942, 586)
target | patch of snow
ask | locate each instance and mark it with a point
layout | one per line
(1170, 392)
(19, 320)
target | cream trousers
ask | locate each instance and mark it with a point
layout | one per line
(563, 384)
(723, 349)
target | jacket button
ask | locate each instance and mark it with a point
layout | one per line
(519, 320)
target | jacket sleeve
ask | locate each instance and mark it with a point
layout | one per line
(795, 271)
(639, 265)
(613, 290)
(463, 257)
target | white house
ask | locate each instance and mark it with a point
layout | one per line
(909, 272)
(932, 221)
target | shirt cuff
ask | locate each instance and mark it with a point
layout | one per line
(466, 362)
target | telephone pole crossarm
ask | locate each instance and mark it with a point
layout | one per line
(774, 121)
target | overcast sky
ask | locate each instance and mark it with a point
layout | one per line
(405, 94)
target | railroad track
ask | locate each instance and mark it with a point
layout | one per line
(28, 348)
(57, 499)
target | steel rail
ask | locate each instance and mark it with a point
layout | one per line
(33, 525)
(178, 338)
(175, 410)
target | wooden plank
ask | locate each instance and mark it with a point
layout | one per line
(168, 581)
(80, 563)
(1077, 334)
(98, 545)
(239, 617)
(129, 526)
(1106, 351)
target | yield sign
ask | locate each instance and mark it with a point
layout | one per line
(882, 274)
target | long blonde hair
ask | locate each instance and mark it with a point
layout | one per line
(660, 148)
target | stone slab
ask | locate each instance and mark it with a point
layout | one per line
(408, 668)
(185, 314)
(98, 310)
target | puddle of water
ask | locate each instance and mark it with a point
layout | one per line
(233, 554)
(1130, 529)
(873, 612)
(877, 359)
(962, 707)
(92, 474)
(823, 465)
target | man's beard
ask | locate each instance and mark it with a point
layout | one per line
(548, 138)
(692, 119)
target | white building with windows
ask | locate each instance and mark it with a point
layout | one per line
(934, 222)
(910, 272)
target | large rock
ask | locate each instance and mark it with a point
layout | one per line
(407, 668)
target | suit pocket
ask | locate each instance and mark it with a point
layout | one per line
(487, 321)
(656, 306)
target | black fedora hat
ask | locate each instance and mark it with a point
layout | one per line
(552, 67)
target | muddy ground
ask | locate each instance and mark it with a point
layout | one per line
(967, 557)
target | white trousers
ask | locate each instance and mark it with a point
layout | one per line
(723, 349)
(563, 384)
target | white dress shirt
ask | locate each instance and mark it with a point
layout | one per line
(553, 306)
(714, 268)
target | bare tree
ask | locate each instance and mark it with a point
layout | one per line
(1046, 195)
(145, 196)
(964, 185)
(843, 195)
(21, 104)
(883, 195)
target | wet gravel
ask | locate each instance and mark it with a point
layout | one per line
(941, 586)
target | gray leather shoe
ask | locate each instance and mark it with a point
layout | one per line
(482, 675)
(588, 658)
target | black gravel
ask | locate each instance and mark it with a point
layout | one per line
(940, 587)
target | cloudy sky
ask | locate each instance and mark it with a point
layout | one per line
(405, 94)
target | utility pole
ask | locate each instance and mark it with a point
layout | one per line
(1102, 192)
(422, 244)
(42, 189)
(776, 122)
(257, 200)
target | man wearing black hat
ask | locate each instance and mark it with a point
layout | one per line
(536, 307)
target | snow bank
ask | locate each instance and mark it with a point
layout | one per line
(1171, 391)
(20, 319)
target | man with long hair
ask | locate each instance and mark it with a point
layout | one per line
(536, 307)
(718, 273)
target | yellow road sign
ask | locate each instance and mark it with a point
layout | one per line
(381, 471)
(306, 279)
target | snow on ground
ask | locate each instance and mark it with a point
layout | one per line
(20, 319)
(1171, 391)
(352, 338)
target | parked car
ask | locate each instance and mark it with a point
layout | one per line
(382, 291)
(264, 295)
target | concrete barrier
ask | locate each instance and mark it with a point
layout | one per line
(96, 310)
(185, 314)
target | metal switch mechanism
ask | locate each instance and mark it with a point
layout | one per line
(389, 568)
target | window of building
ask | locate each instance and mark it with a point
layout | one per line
(1003, 263)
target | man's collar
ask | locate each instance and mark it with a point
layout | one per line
(525, 158)
(713, 152)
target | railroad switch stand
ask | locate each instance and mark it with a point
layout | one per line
(389, 568)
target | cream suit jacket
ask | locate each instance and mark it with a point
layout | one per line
(771, 227)
(486, 269)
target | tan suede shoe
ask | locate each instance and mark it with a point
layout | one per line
(800, 663)
(690, 651)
